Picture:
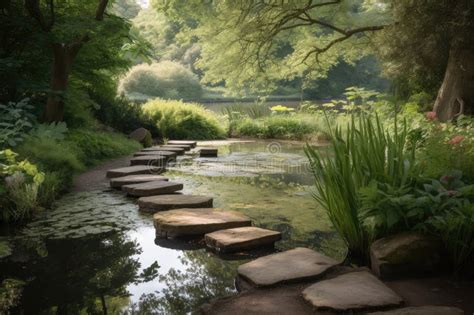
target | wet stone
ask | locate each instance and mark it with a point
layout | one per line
(423, 310)
(168, 154)
(208, 152)
(354, 291)
(196, 222)
(152, 188)
(244, 238)
(167, 202)
(133, 170)
(294, 265)
(118, 182)
(185, 142)
(154, 160)
(178, 151)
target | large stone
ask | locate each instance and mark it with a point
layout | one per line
(159, 153)
(423, 310)
(178, 151)
(294, 265)
(197, 221)
(208, 152)
(353, 291)
(405, 254)
(243, 238)
(191, 143)
(133, 170)
(139, 134)
(186, 147)
(167, 202)
(118, 182)
(154, 160)
(152, 188)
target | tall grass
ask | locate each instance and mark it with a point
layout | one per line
(363, 153)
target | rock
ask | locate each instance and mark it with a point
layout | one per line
(118, 182)
(186, 147)
(133, 170)
(139, 134)
(192, 144)
(208, 152)
(297, 264)
(423, 310)
(167, 202)
(159, 153)
(197, 221)
(152, 188)
(154, 160)
(409, 253)
(244, 238)
(178, 151)
(353, 291)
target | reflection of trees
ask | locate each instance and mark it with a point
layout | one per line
(78, 274)
(203, 279)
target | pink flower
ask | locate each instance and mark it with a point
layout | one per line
(456, 140)
(430, 115)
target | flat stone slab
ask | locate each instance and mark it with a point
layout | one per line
(154, 160)
(177, 150)
(186, 147)
(353, 291)
(118, 182)
(167, 202)
(191, 143)
(152, 188)
(133, 170)
(208, 152)
(197, 221)
(243, 238)
(158, 153)
(293, 265)
(423, 310)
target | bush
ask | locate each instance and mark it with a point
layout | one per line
(166, 79)
(178, 120)
(15, 120)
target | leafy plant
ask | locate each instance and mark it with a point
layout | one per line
(281, 110)
(56, 131)
(15, 121)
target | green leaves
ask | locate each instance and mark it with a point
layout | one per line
(15, 121)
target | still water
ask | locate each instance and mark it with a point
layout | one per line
(96, 253)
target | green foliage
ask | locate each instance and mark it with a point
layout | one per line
(19, 183)
(166, 79)
(366, 153)
(55, 131)
(15, 121)
(127, 9)
(178, 120)
(273, 127)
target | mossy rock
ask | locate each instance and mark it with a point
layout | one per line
(143, 136)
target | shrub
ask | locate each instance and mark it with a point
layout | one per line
(166, 79)
(15, 121)
(178, 120)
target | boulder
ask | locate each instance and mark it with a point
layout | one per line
(118, 182)
(409, 253)
(141, 135)
(243, 238)
(152, 188)
(353, 291)
(154, 204)
(423, 310)
(299, 264)
(196, 222)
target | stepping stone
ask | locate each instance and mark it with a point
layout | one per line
(353, 291)
(167, 202)
(154, 160)
(175, 146)
(152, 188)
(178, 151)
(197, 221)
(243, 238)
(192, 144)
(293, 265)
(133, 170)
(118, 182)
(423, 310)
(159, 153)
(208, 152)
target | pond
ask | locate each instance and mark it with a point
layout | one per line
(96, 246)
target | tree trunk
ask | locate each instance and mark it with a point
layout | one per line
(456, 95)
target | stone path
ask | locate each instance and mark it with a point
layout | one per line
(133, 170)
(197, 221)
(192, 144)
(178, 151)
(423, 310)
(152, 188)
(155, 160)
(159, 153)
(118, 182)
(208, 152)
(244, 238)
(167, 202)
